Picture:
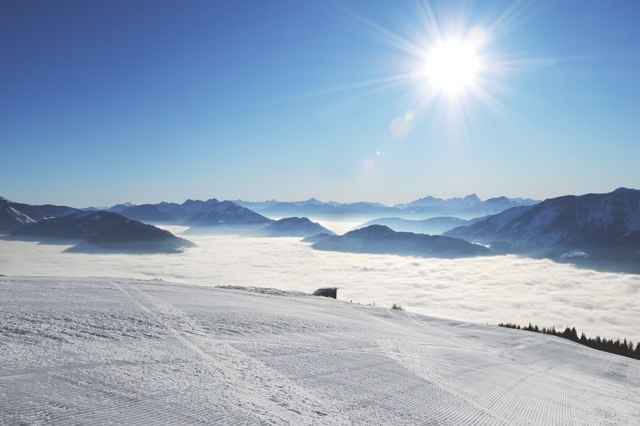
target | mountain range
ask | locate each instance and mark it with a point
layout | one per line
(593, 230)
(213, 213)
(468, 207)
(200, 215)
(601, 230)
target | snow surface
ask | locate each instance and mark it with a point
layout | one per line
(107, 350)
(20, 217)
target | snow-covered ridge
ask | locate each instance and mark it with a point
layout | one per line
(106, 350)
(607, 226)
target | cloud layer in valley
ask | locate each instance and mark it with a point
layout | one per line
(486, 290)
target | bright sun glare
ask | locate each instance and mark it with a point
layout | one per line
(451, 66)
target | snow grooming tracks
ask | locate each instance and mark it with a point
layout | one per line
(96, 351)
(265, 393)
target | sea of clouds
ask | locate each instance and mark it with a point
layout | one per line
(485, 290)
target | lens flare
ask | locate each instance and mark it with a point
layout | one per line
(399, 128)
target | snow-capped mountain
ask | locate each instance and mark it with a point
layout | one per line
(15, 215)
(468, 207)
(119, 208)
(381, 239)
(294, 227)
(76, 226)
(11, 219)
(604, 225)
(451, 203)
(45, 211)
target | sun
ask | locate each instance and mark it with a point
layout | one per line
(451, 66)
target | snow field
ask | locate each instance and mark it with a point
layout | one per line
(122, 351)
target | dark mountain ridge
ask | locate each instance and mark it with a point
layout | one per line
(102, 230)
(380, 239)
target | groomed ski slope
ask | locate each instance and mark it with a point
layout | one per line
(121, 351)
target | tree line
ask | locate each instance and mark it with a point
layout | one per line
(617, 347)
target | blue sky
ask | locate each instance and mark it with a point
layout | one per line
(110, 101)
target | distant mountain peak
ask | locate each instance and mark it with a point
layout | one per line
(623, 190)
(295, 227)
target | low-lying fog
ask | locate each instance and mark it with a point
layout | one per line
(486, 290)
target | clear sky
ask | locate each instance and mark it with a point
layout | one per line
(104, 102)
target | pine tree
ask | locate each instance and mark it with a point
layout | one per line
(583, 339)
(574, 334)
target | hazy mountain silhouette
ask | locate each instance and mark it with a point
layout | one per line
(469, 207)
(197, 214)
(294, 227)
(433, 226)
(383, 240)
(148, 213)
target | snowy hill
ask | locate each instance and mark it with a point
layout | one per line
(97, 351)
(603, 225)
(384, 240)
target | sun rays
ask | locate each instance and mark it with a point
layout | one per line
(450, 63)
